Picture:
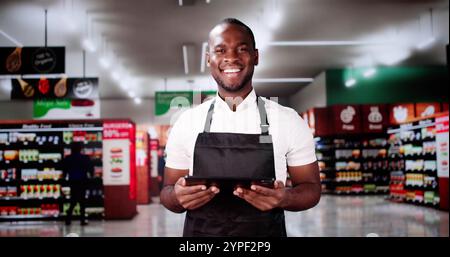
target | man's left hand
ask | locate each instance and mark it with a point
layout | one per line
(263, 198)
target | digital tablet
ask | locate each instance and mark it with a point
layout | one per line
(229, 183)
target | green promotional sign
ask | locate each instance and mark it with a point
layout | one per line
(42, 107)
(166, 100)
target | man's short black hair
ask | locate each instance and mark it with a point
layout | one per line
(237, 22)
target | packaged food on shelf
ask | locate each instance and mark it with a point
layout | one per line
(3, 138)
(67, 137)
(411, 150)
(50, 156)
(1, 155)
(28, 155)
(11, 191)
(10, 155)
(414, 165)
(8, 174)
(430, 165)
(3, 191)
(430, 181)
(29, 174)
(98, 172)
(429, 147)
(25, 137)
(370, 187)
(428, 133)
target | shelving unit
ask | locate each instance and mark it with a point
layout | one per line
(414, 176)
(31, 181)
(353, 164)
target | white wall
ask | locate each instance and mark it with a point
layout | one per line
(313, 95)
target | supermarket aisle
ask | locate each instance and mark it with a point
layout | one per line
(334, 216)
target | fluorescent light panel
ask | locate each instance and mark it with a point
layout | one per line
(185, 60)
(13, 40)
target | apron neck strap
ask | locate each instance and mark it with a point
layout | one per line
(262, 115)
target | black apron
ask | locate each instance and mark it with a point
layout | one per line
(234, 155)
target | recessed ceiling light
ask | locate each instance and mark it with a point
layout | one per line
(351, 82)
(137, 100)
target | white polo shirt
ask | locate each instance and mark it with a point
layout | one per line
(292, 139)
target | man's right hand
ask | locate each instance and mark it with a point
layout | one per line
(193, 197)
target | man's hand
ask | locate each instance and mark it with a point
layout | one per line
(263, 198)
(193, 197)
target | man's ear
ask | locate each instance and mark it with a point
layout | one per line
(256, 57)
(207, 58)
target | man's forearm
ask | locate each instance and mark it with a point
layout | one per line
(169, 200)
(301, 197)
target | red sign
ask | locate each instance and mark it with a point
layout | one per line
(400, 113)
(424, 110)
(116, 130)
(320, 121)
(444, 107)
(347, 118)
(374, 118)
(441, 124)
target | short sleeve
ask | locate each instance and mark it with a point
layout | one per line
(176, 147)
(301, 146)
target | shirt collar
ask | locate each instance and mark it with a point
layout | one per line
(248, 101)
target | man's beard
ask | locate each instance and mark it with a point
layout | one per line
(233, 88)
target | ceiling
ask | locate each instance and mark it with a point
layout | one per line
(145, 38)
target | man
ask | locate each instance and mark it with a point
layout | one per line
(78, 166)
(238, 134)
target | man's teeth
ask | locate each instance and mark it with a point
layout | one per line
(231, 70)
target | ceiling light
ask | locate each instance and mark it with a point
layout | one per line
(180, 2)
(88, 45)
(137, 100)
(369, 73)
(131, 94)
(350, 82)
(203, 57)
(185, 60)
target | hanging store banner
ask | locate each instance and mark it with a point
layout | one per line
(44, 88)
(442, 146)
(58, 109)
(32, 60)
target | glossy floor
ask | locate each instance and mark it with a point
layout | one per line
(357, 216)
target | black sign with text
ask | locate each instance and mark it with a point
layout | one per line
(32, 60)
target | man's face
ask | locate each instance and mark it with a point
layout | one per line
(231, 57)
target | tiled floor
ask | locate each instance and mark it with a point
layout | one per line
(334, 216)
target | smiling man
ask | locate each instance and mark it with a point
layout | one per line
(239, 135)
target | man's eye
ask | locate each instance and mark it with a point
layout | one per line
(220, 51)
(243, 49)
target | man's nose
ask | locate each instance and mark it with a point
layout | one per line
(231, 56)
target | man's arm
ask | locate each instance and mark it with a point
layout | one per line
(304, 194)
(167, 195)
(178, 197)
(306, 188)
